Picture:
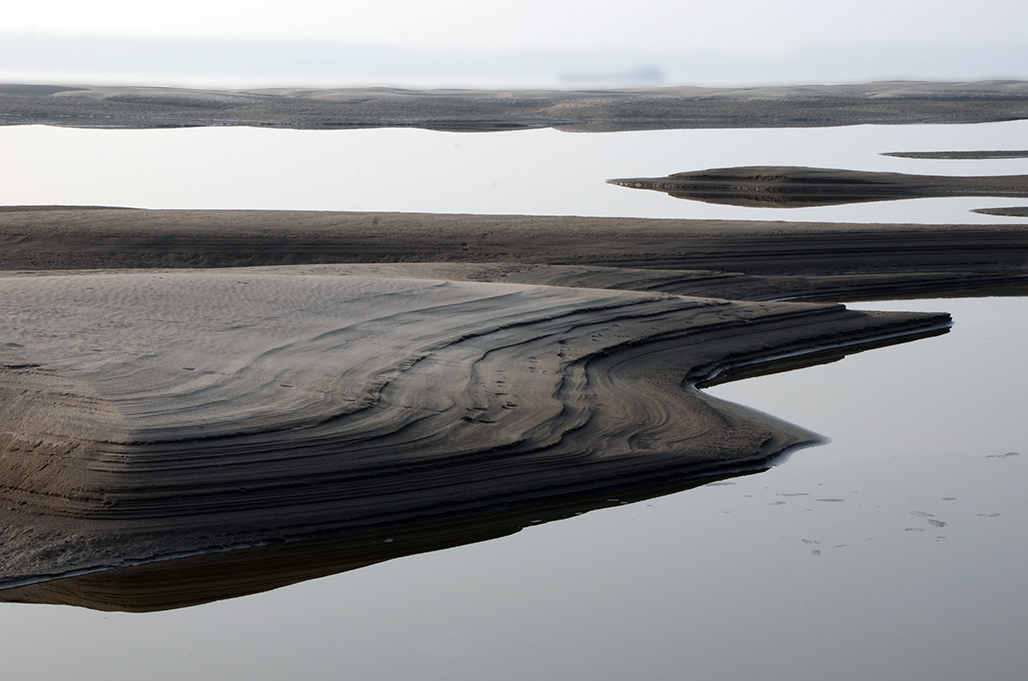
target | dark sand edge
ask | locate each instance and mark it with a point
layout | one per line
(889, 103)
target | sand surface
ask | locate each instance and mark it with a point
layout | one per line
(897, 102)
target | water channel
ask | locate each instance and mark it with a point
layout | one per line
(895, 551)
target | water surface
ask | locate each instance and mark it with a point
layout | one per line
(540, 172)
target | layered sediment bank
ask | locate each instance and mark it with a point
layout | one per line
(155, 414)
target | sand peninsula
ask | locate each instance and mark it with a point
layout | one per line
(201, 404)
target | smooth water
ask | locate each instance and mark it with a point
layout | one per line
(540, 172)
(894, 552)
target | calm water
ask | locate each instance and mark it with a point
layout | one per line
(896, 551)
(533, 172)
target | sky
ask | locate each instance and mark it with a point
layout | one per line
(745, 28)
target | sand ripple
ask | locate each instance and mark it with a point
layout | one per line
(155, 413)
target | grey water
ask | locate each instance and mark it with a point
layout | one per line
(524, 172)
(895, 551)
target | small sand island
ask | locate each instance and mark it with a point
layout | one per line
(960, 155)
(197, 405)
(796, 187)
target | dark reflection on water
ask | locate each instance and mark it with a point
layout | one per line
(203, 579)
(799, 187)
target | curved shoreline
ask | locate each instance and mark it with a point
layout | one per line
(155, 445)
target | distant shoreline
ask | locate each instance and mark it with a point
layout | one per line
(880, 103)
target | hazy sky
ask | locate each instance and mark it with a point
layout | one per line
(665, 25)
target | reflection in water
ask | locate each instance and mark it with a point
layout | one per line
(797, 187)
(202, 579)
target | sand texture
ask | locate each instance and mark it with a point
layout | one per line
(151, 414)
(466, 110)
